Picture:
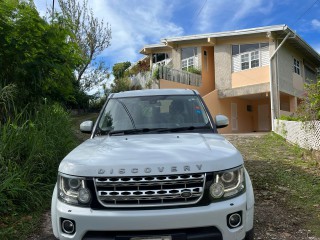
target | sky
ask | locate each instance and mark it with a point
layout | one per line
(135, 23)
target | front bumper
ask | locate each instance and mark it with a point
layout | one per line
(110, 223)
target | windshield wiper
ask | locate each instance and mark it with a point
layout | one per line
(181, 129)
(152, 130)
(134, 131)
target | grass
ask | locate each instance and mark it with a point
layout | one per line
(31, 148)
(20, 225)
(77, 120)
(288, 174)
(45, 139)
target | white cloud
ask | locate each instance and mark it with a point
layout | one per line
(222, 15)
(315, 24)
(133, 24)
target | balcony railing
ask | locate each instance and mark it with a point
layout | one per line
(161, 63)
(179, 76)
(190, 62)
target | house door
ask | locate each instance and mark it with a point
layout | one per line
(234, 117)
(264, 118)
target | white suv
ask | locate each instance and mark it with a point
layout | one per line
(155, 168)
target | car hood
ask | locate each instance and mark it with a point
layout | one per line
(151, 154)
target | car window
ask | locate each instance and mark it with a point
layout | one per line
(115, 117)
(151, 112)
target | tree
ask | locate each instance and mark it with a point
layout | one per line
(35, 56)
(120, 84)
(92, 35)
(118, 69)
(309, 108)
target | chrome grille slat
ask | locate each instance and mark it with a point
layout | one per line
(150, 191)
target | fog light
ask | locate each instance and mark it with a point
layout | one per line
(68, 226)
(234, 220)
(217, 190)
(84, 195)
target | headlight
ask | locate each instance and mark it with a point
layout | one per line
(228, 183)
(73, 190)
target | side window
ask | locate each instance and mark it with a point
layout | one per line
(296, 66)
(115, 117)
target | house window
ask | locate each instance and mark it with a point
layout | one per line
(244, 61)
(254, 59)
(158, 57)
(247, 56)
(296, 66)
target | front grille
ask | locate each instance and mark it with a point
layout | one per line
(150, 191)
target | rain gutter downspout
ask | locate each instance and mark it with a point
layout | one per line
(271, 84)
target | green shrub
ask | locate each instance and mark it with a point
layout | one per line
(289, 118)
(31, 147)
(309, 108)
(194, 70)
(156, 73)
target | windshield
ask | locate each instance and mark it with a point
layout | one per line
(147, 113)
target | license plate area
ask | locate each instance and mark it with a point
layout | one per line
(152, 238)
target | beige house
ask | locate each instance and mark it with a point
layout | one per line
(234, 72)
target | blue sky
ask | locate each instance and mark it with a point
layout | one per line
(135, 23)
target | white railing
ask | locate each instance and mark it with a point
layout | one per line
(304, 134)
(161, 63)
(189, 62)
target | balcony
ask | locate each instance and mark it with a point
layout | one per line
(179, 76)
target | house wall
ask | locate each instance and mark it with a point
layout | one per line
(176, 58)
(290, 82)
(255, 111)
(251, 77)
(199, 54)
(224, 78)
(165, 84)
(222, 60)
(246, 120)
(242, 39)
(207, 72)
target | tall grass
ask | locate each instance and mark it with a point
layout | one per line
(31, 147)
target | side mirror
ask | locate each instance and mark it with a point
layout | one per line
(86, 126)
(221, 121)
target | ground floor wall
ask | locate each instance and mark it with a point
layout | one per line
(245, 114)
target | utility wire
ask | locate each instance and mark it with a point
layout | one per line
(205, 2)
(305, 12)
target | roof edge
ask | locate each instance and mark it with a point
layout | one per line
(226, 33)
(156, 45)
(306, 45)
